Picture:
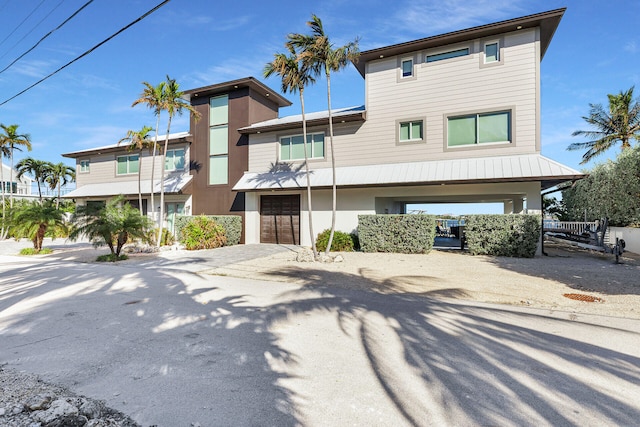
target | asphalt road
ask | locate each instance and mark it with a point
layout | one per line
(172, 347)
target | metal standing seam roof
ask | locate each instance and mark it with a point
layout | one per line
(173, 138)
(312, 117)
(526, 167)
(172, 185)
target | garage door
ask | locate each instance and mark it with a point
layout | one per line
(280, 219)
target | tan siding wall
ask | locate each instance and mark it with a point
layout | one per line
(458, 85)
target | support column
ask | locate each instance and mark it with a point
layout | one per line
(508, 207)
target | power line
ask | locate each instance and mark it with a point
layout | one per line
(31, 30)
(21, 23)
(87, 52)
(46, 35)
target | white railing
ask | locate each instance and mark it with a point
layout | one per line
(575, 227)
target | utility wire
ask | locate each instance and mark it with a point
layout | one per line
(87, 52)
(46, 35)
(21, 23)
(29, 33)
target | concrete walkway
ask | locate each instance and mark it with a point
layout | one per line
(174, 346)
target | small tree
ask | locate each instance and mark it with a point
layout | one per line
(139, 141)
(112, 225)
(59, 175)
(39, 169)
(33, 219)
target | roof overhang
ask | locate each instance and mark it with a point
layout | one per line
(500, 169)
(547, 21)
(246, 82)
(172, 185)
(295, 122)
(174, 138)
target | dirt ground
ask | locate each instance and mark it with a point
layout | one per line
(549, 282)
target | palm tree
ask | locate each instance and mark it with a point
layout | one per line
(295, 76)
(112, 225)
(139, 141)
(620, 124)
(33, 219)
(319, 54)
(4, 152)
(58, 175)
(10, 139)
(173, 104)
(38, 168)
(153, 97)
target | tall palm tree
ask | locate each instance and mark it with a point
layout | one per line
(620, 124)
(319, 54)
(58, 175)
(153, 97)
(139, 141)
(295, 77)
(38, 168)
(4, 152)
(173, 104)
(10, 138)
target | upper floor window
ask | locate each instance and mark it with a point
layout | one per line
(410, 131)
(128, 164)
(84, 165)
(407, 67)
(292, 147)
(219, 140)
(174, 160)
(472, 129)
(446, 55)
(491, 52)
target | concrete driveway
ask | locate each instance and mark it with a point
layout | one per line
(172, 347)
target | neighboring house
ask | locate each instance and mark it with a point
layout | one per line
(21, 188)
(450, 118)
(202, 165)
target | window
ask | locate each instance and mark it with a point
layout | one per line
(482, 128)
(292, 147)
(491, 52)
(84, 165)
(128, 164)
(447, 55)
(218, 140)
(410, 131)
(407, 67)
(174, 160)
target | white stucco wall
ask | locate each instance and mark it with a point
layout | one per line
(631, 237)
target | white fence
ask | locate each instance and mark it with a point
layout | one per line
(575, 227)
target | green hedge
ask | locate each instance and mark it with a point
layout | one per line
(409, 234)
(232, 226)
(342, 242)
(503, 235)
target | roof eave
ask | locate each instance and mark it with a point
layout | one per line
(346, 118)
(547, 21)
(117, 148)
(250, 82)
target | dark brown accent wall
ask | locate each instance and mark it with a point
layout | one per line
(246, 106)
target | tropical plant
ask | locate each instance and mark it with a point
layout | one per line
(295, 76)
(173, 104)
(153, 97)
(39, 169)
(620, 124)
(33, 219)
(11, 139)
(139, 141)
(203, 232)
(58, 175)
(112, 225)
(319, 55)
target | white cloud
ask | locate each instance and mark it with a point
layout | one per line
(631, 46)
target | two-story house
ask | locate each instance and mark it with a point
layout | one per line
(448, 118)
(11, 185)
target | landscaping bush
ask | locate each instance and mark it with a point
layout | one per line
(503, 235)
(202, 232)
(111, 258)
(409, 234)
(32, 251)
(342, 242)
(232, 225)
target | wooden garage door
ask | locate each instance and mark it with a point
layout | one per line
(280, 219)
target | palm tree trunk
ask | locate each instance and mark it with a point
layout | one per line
(164, 153)
(11, 180)
(59, 191)
(153, 167)
(333, 169)
(306, 165)
(139, 182)
(2, 232)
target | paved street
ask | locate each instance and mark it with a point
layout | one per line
(173, 346)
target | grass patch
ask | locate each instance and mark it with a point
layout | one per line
(32, 251)
(111, 258)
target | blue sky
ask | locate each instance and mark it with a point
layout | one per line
(595, 51)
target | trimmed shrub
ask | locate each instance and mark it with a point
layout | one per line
(111, 258)
(232, 225)
(342, 242)
(503, 235)
(408, 234)
(203, 232)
